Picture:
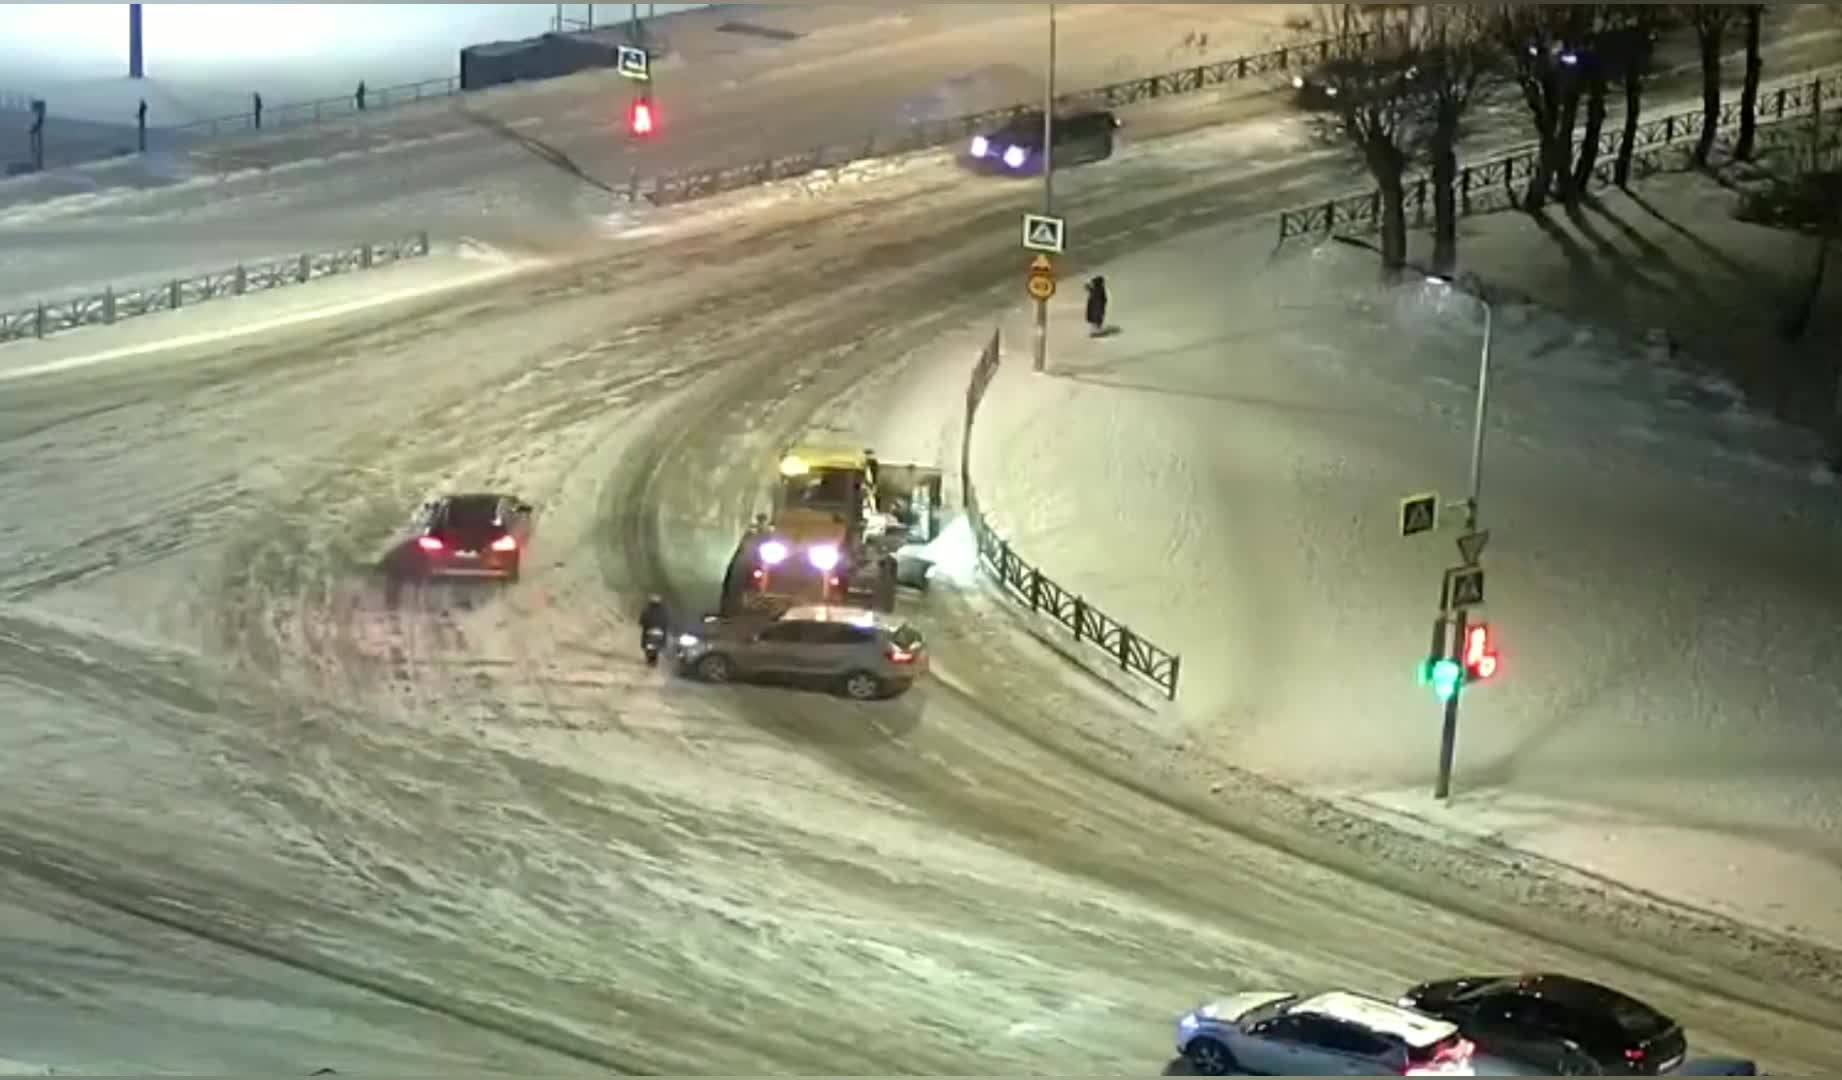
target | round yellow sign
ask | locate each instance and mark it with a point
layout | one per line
(1041, 286)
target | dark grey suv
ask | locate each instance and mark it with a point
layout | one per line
(862, 655)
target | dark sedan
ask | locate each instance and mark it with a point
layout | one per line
(474, 536)
(1016, 147)
(1555, 1022)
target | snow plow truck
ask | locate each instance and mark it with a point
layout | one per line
(838, 518)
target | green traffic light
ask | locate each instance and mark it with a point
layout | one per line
(1446, 676)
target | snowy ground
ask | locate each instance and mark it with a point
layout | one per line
(1223, 474)
(478, 803)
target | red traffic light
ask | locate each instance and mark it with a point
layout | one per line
(1480, 652)
(640, 121)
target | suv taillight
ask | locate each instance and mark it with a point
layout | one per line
(505, 543)
(1451, 1058)
(901, 656)
(428, 543)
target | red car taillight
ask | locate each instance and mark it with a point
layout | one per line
(428, 543)
(1635, 1057)
(901, 656)
(505, 543)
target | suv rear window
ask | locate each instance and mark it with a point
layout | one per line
(472, 514)
(906, 637)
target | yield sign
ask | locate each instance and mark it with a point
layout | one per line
(1471, 546)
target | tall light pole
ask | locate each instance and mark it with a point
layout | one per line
(136, 69)
(1448, 736)
(1042, 306)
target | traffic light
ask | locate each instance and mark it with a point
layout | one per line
(640, 120)
(1480, 652)
(1444, 676)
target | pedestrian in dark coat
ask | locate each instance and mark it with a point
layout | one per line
(1096, 307)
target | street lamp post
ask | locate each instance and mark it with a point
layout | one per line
(1448, 736)
(1042, 306)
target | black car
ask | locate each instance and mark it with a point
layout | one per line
(1574, 1027)
(474, 536)
(1326, 87)
(1016, 147)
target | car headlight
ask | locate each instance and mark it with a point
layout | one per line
(689, 641)
(1298, 82)
(980, 146)
(823, 558)
(1014, 157)
(773, 553)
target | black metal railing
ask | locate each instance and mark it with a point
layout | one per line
(113, 305)
(307, 113)
(690, 184)
(1497, 183)
(1090, 626)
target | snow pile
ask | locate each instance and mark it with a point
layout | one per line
(1224, 475)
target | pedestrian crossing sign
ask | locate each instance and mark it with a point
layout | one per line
(1419, 513)
(634, 62)
(1044, 233)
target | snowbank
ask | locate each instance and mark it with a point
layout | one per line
(1224, 474)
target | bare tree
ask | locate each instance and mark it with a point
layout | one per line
(1710, 22)
(1594, 65)
(1749, 94)
(1543, 41)
(1631, 47)
(1370, 81)
(1457, 59)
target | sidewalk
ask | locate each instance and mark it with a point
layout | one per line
(1223, 473)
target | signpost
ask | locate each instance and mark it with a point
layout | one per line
(1464, 588)
(1041, 284)
(634, 62)
(1419, 514)
(1044, 233)
(1471, 546)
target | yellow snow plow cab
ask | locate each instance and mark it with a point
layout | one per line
(838, 517)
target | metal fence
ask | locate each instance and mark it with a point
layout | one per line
(1497, 183)
(114, 305)
(1089, 625)
(691, 184)
(306, 113)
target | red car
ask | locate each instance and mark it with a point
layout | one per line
(471, 536)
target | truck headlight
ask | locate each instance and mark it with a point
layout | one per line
(824, 558)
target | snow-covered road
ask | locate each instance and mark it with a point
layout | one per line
(479, 801)
(547, 166)
(540, 165)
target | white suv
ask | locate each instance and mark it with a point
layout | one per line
(1335, 1034)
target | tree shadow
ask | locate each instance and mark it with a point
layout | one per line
(1713, 252)
(1651, 253)
(1578, 259)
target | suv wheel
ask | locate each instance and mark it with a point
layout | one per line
(862, 686)
(1210, 1058)
(715, 668)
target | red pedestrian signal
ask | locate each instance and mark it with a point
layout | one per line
(641, 121)
(1480, 652)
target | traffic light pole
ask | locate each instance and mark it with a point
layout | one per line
(1042, 306)
(1448, 735)
(1477, 426)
